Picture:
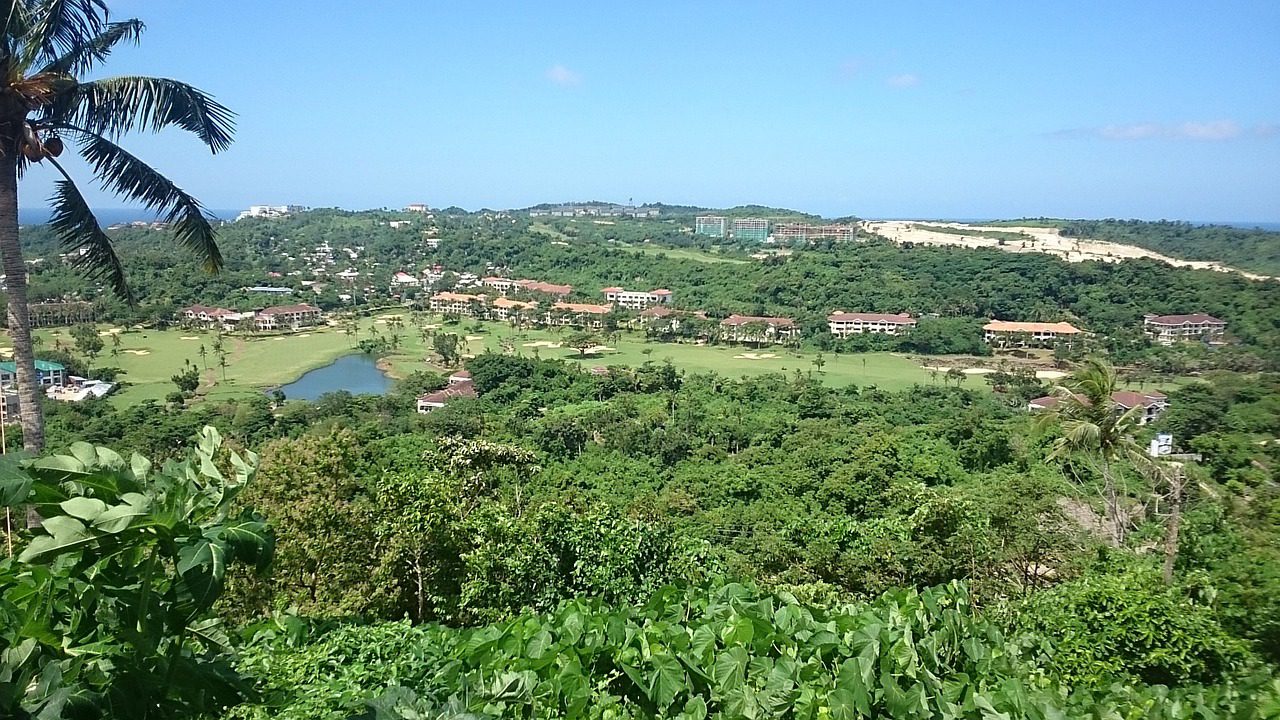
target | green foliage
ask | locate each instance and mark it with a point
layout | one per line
(106, 610)
(1250, 249)
(1129, 627)
(727, 651)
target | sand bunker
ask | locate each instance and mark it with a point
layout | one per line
(379, 322)
(305, 335)
(188, 337)
(277, 338)
(597, 349)
(388, 317)
(754, 356)
(138, 352)
(1050, 374)
(977, 371)
(475, 337)
(544, 343)
(430, 327)
(112, 331)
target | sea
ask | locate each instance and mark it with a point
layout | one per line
(109, 216)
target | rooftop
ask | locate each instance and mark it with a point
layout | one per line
(1192, 319)
(1031, 327)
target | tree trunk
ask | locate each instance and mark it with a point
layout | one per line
(1177, 480)
(15, 271)
(1112, 499)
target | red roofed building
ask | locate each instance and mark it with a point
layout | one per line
(1169, 329)
(287, 317)
(545, 288)
(1028, 334)
(505, 308)
(578, 314)
(460, 386)
(843, 324)
(451, 303)
(1153, 403)
(755, 329)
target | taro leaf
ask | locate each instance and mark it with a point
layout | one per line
(15, 485)
(84, 508)
(740, 631)
(119, 517)
(696, 708)
(65, 534)
(668, 679)
(513, 687)
(538, 644)
(843, 705)
(729, 667)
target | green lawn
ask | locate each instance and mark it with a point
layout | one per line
(151, 357)
(884, 370)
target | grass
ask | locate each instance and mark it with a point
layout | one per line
(150, 358)
(884, 370)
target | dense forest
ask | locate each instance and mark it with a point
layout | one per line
(654, 544)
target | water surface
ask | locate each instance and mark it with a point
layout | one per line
(357, 374)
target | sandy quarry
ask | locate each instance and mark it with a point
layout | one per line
(1046, 240)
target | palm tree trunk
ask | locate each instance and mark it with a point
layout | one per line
(1112, 499)
(15, 271)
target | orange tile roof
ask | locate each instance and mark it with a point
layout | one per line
(1031, 327)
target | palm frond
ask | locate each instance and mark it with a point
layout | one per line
(85, 56)
(60, 26)
(114, 106)
(120, 171)
(80, 233)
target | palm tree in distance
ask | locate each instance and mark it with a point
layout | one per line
(46, 47)
(1095, 428)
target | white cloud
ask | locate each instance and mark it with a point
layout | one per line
(563, 76)
(905, 80)
(1208, 131)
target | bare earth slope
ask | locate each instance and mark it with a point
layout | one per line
(1042, 240)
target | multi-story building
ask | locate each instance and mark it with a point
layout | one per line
(637, 299)
(843, 324)
(416, 208)
(1152, 402)
(1028, 334)
(1169, 329)
(751, 229)
(755, 329)
(213, 317)
(544, 288)
(664, 319)
(578, 315)
(270, 211)
(505, 308)
(711, 225)
(48, 374)
(500, 284)
(404, 279)
(801, 232)
(451, 303)
(287, 317)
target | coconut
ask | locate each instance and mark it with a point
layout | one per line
(53, 146)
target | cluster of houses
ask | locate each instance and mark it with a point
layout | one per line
(1152, 403)
(280, 317)
(56, 381)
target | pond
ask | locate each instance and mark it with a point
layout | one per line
(357, 374)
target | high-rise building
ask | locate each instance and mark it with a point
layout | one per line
(751, 229)
(713, 225)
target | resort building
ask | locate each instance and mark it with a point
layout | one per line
(637, 299)
(1028, 334)
(416, 208)
(751, 229)
(213, 317)
(843, 324)
(500, 284)
(1152, 402)
(711, 225)
(49, 374)
(404, 279)
(750, 328)
(451, 303)
(801, 232)
(578, 315)
(544, 288)
(1169, 329)
(287, 317)
(270, 211)
(505, 308)
(664, 319)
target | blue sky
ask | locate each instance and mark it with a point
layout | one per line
(904, 109)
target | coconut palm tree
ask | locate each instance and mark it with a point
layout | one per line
(1095, 428)
(46, 47)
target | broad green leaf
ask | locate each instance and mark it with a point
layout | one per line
(696, 708)
(83, 508)
(842, 705)
(668, 680)
(65, 535)
(729, 668)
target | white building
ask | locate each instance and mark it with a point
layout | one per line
(451, 303)
(843, 324)
(270, 211)
(1028, 334)
(637, 299)
(1169, 329)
